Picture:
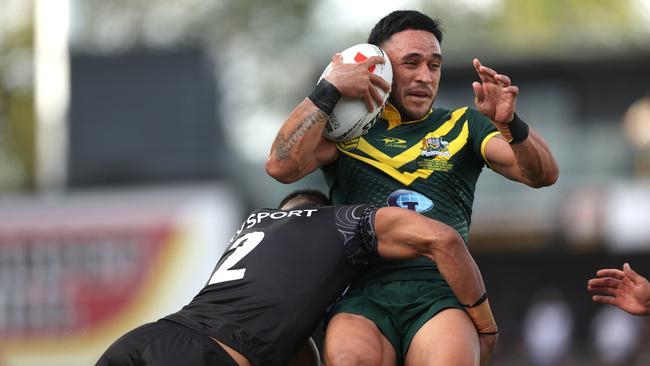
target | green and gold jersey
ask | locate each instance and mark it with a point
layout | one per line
(429, 165)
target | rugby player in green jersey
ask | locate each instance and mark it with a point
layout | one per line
(419, 157)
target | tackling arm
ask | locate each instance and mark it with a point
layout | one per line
(404, 234)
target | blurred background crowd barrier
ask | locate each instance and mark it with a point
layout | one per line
(133, 135)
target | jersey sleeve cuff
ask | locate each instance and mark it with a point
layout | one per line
(484, 144)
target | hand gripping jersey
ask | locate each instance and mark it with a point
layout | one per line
(429, 165)
(280, 273)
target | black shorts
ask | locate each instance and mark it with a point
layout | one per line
(165, 343)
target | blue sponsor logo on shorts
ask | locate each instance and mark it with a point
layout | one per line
(409, 199)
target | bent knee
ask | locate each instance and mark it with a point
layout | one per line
(447, 338)
(355, 340)
(349, 357)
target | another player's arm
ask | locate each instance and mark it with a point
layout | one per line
(625, 289)
(405, 234)
(522, 154)
(299, 147)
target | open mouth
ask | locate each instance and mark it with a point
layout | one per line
(419, 96)
(419, 93)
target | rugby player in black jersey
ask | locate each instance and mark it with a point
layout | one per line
(281, 271)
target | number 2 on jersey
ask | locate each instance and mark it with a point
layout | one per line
(242, 247)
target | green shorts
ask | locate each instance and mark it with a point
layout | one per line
(399, 308)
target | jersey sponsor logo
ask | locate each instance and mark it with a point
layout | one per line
(434, 146)
(394, 142)
(257, 217)
(411, 200)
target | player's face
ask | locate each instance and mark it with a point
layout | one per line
(416, 60)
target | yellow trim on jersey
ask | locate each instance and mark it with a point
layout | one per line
(391, 114)
(405, 178)
(348, 145)
(413, 152)
(458, 143)
(389, 165)
(484, 143)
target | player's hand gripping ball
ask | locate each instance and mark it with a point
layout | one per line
(351, 117)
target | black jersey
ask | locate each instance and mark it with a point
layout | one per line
(279, 274)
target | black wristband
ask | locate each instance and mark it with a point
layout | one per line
(487, 333)
(478, 302)
(325, 96)
(518, 130)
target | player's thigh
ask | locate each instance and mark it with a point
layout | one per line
(164, 343)
(127, 349)
(353, 339)
(184, 346)
(449, 338)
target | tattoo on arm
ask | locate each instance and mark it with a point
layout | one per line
(284, 145)
(281, 152)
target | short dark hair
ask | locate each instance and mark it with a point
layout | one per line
(400, 20)
(315, 196)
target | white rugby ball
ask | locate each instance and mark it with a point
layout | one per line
(351, 117)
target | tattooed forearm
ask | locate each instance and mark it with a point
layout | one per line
(284, 145)
(281, 152)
